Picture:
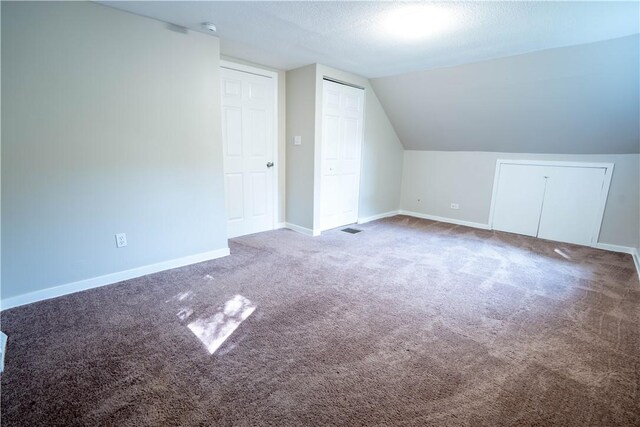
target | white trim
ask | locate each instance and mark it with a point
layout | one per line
(281, 225)
(560, 163)
(317, 150)
(376, 217)
(302, 230)
(276, 156)
(604, 192)
(225, 63)
(109, 279)
(3, 349)
(615, 248)
(604, 246)
(623, 249)
(494, 193)
(444, 219)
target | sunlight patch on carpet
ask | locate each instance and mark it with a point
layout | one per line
(561, 253)
(182, 296)
(214, 330)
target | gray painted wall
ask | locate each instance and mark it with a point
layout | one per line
(433, 180)
(111, 124)
(576, 100)
(301, 85)
(382, 151)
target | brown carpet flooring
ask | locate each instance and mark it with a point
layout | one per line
(410, 322)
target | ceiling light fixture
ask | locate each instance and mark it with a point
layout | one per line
(210, 26)
(417, 21)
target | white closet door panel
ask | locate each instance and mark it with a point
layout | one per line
(331, 209)
(349, 202)
(519, 199)
(343, 117)
(571, 204)
(331, 95)
(331, 147)
(351, 139)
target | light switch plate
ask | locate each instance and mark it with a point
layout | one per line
(297, 140)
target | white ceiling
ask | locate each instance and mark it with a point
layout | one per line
(350, 35)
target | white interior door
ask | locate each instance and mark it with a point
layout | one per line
(342, 124)
(249, 152)
(571, 204)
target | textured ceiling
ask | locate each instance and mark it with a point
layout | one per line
(351, 35)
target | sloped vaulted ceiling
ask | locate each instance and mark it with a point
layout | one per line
(577, 100)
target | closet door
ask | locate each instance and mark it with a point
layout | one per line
(519, 198)
(342, 124)
(572, 204)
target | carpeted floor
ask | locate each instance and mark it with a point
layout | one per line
(410, 322)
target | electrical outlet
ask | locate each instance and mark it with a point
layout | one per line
(121, 240)
(455, 206)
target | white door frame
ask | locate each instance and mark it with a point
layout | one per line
(317, 163)
(608, 167)
(276, 167)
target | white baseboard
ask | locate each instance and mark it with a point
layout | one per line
(443, 219)
(636, 261)
(376, 217)
(280, 225)
(3, 350)
(615, 248)
(109, 279)
(624, 249)
(302, 230)
(606, 246)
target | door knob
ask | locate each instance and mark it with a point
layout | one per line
(270, 164)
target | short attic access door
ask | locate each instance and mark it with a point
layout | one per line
(342, 128)
(561, 201)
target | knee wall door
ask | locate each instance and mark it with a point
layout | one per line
(550, 201)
